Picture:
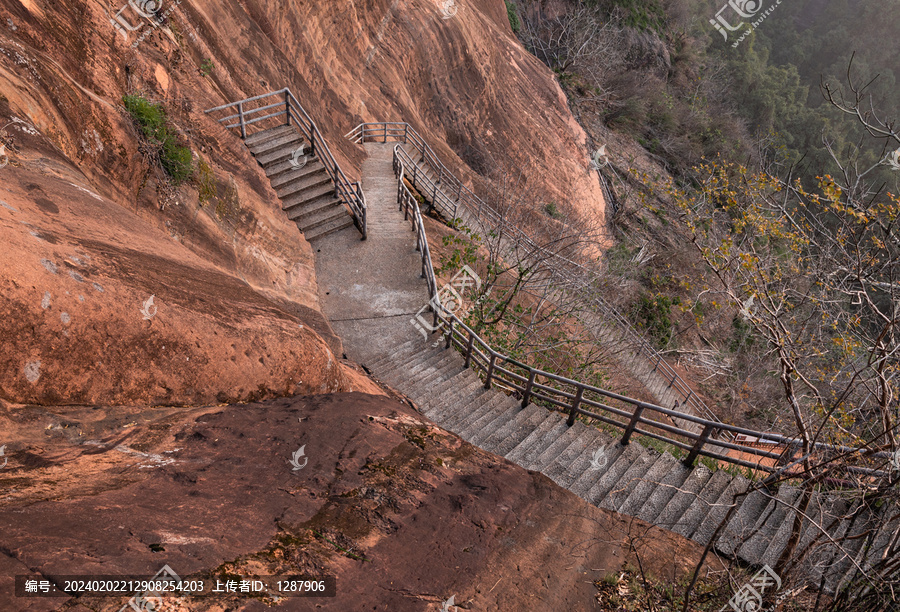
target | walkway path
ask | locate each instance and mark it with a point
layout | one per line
(370, 289)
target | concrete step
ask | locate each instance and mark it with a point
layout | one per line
(462, 400)
(852, 544)
(516, 436)
(437, 400)
(323, 217)
(264, 135)
(766, 526)
(336, 225)
(695, 515)
(634, 502)
(283, 153)
(561, 469)
(737, 485)
(489, 403)
(292, 174)
(559, 446)
(580, 475)
(410, 368)
(303, 183)
(299, 214)
(610, 478)
(683, 498)
(629, 480)
(483, 427)
(451, 366)
(782, 534)
(396, 354)
(438, 390)
(511, 433)
(285, 139)
(538, 440)
(743, 523)
(664, 492)
(278, 169)
(308, 195)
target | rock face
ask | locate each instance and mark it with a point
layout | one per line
(404, 514)
(232, 279)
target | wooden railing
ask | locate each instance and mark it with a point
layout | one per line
(630, 416)
(263, 115)
(450, 197)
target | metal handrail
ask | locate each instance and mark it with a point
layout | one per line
(552, 388)
(572, 272)
(350, 194)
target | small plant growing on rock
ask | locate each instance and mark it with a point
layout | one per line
(161, 143)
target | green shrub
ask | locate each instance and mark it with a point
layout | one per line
(150, 118)
(654, 315)
(552, 209)
(514, 22)
(206, 67)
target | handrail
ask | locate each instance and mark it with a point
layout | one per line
(350, 194)
(552, 388)
(578, 277)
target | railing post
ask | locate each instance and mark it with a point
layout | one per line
(698, 446)
(385, 133)
(469, 349)
(241, 115)
(405, 132)
(440, 174)
(656, 365)
(490, 370)
(449, 335)
(573, 411)
(526, 396)
(632, 424)
(287, 108)
(672, 382)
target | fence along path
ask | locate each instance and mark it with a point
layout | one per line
(454, 200)
(466, 391)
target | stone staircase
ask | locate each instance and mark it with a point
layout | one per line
(635, 480)
(303, 185)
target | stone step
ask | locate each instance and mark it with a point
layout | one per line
(396, 355)
(299, 214)
(642, 490)
(559, 446)
(276, 141)
(308, 195)
(683, 498)
(538, 440)
(451, 366)
(610, 478)
(277, 170)
(263, 135)
(852, 545)
(437, 401)
(323, 217)
(313, 166)
(331, 227)
(830, 512)
(303, 183)
(424, 396)
(283, 153)
(629, 480)
(461, 400)
(580, 474)
(782, 534)
(483, 427)
(733, 493)
(743, 523)
(769, 521)
(488, 404)
(693, 518)
(410, 369)
(559, 469)
(511, 433)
